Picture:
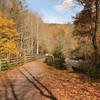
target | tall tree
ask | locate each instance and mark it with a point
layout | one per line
(8, 34)
(88, 22)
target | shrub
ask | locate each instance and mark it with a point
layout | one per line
(49, 60)
(59, 59)
(6, 66)
(92, 70)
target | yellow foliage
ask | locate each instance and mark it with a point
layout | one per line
(5, 22)
(8, 33)
(10, 47)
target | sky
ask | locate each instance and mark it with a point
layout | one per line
(55, 11)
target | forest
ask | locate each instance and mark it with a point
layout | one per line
(66, 53)
(25, 37)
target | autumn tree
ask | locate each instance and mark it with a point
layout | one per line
(8, 34)
(87, 23)
(87, 29)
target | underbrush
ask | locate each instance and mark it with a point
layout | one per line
(90, 69)
(7, 66)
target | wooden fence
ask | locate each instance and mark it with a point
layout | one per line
(6, 63)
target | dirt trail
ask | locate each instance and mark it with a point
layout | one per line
(36, 81)
(23, 84)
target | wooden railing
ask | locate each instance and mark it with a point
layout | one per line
(17, 61)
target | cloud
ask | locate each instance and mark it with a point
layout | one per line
(66, 5)
(53, 20)
(57, 20)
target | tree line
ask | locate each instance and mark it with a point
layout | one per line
(24, 36)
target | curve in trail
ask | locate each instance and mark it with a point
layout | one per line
(23, 84)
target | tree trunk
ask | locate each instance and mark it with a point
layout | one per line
(95, 32)
(37, 36)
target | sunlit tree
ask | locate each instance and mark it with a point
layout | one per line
(8, 34)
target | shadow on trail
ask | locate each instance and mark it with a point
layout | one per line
(10, 84)
(5, 90)
(36, 84)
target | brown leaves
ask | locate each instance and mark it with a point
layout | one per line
(69, 86)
